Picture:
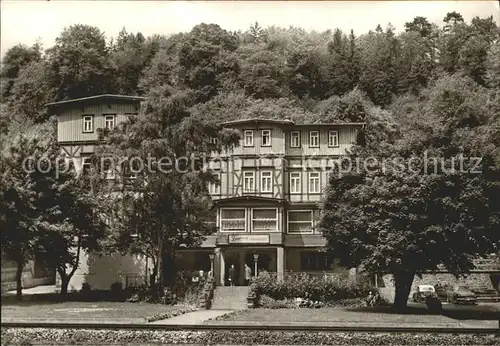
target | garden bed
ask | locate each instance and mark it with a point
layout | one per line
(91, 337)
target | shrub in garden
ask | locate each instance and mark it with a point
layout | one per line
(270, 303)
(317, 288)
(116, 290)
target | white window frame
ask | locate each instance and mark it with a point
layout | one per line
(333, 138)
(270, 178)
(298, 177)
(106, 121)
(301, 211)
(310, 178)
(213, 187)
(264, 230)
(268, 136)
(87, 119)
(314, 134)
(235, 230)
(248, 133)
(248, 174)
(295, 135)
(214, 140)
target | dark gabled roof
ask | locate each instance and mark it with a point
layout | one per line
(250, 198)
(332, 124)
(285, 122)
(95, 98)
(258, 120)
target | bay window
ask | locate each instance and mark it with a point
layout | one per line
(264, 220)
(232, 220)
(300, 221)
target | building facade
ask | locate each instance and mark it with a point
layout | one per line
(267, 198)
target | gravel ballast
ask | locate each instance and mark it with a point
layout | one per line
(34, 336)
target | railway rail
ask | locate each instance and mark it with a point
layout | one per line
(242, 327)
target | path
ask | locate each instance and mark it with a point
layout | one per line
(195, 317)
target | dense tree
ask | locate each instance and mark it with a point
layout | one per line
(421, 25)
(378, 52)
(81, 64)
(13, 62)
(32, 90)
(172, 206)
(206, 59)
(390, 219)
(493, 66)
(46, 208)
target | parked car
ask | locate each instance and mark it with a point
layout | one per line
(461, 294)
(423, 291)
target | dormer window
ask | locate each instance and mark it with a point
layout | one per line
(248, 138)
(88, 123)
(266, 138)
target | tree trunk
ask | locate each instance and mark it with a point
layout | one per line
(64, 285)
(19, 281)
(403, 282)
(65, 278)
(160, 260)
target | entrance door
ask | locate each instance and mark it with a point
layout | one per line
(232, 260)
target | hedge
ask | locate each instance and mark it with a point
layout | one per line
(321, 289)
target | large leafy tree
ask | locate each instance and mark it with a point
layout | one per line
(13, 62)
(44, 207)
(81, 63)
(31, 91)
(172, 207)
(388, 219)
(19, 190)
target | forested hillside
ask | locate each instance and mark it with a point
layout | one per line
(261, 72)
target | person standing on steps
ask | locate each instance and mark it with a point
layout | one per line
(248, 274)
(232, 275)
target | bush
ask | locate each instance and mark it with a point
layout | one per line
(116, 291)
(321, 289)
(269, 303)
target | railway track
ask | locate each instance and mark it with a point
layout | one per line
(242, 327)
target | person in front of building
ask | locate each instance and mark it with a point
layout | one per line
(248, 274)
(232, 275)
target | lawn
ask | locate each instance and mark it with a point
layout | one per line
(413, 317)
(334, 315)
(106, 312)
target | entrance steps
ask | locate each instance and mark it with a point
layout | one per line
(230, 298)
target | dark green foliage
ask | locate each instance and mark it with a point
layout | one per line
(320, 289)
(393, 220)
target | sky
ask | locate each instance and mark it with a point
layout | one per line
(24, 21)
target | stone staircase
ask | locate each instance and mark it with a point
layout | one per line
(230, 298)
